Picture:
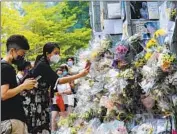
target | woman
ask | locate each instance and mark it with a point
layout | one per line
(37, 101)
(64, 90)
(22, 71)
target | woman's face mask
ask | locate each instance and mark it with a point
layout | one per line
(59, 73)
(55, 58)
(65, 73)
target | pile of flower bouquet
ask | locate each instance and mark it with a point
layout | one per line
(132, 89)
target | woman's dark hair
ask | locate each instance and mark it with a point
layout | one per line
(28, 63)
(37, 59)
(64, 67)
(22, 67)
(47, 49)
(59, 69)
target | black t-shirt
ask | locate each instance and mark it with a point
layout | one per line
(48, 75)
(11, 108)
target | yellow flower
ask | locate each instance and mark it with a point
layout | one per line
(172, 58)
(159, 49)
(94, 55)
(119, 75)
(168, 58)
(173, 12)
(89, 130)
(139, 63)
(160, 32)
(151, 43)
(136, 64)
(151, 130)
(148, 55)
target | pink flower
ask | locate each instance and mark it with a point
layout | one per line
(174, 131)
(122, 49)
(122, 129)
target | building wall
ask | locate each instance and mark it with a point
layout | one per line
(100, 13)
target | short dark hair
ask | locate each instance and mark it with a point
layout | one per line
(72, 58)
(22, 67)
(18, 42)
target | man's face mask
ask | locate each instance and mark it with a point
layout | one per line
(70, 63)
(17, 58)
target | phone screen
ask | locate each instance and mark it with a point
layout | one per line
(88, 64)
(37, 78)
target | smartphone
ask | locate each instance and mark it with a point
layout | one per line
(37, 78)
(88, 64)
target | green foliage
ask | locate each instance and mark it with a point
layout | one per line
(40, 24)
(81, 9)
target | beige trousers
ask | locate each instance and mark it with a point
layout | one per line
(18, 127)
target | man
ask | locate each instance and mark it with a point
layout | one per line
(70, 61)
(72, 69)
(151, 28)
(12, 113)
(144, 11)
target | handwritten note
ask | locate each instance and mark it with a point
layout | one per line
(114, 10)
(153, 10)
(113, 26)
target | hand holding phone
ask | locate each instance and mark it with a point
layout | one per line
(28, 84)
(37, 78)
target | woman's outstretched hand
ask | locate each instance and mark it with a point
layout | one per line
(85, 71)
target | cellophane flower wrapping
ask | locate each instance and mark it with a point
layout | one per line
(125, 83)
